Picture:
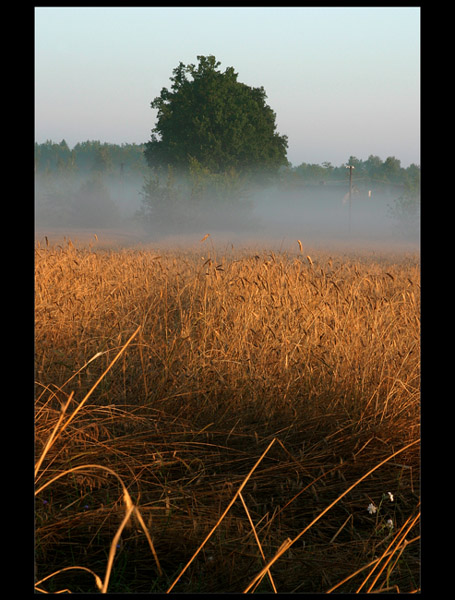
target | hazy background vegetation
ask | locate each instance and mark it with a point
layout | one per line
(216, 161)
(103, 185)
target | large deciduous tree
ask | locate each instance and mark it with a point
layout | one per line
(209, 117)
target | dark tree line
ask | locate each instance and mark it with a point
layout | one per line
(367, 172)
(90, 156)
(93, 156)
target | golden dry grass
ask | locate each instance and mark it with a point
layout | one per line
(271, 384)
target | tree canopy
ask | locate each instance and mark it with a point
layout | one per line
(209, 117)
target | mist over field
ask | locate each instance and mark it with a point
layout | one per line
(316, 214)
(323, 214)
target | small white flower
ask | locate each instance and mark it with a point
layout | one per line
(389, 523)
(371, 508)
(390, 496)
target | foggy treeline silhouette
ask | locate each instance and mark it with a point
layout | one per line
(93, 184)
(106, 185)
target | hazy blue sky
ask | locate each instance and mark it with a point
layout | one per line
(342, 81)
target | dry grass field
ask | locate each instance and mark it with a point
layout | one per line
(215, 421)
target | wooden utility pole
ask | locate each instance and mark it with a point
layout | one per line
(350, 167)
(121, 178)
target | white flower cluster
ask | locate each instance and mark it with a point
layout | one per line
(372, 508)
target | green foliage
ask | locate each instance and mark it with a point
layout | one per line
(212, 118)
(370, 172)
(218, 187)
(183, 203)
(88, 157)
(217, 137)
(162, 207)
(405, 209)
(312, 172)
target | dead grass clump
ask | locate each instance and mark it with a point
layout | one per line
(195, 413)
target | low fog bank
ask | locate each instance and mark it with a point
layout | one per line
(320, 216)
(81, 201)
(325, 216)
